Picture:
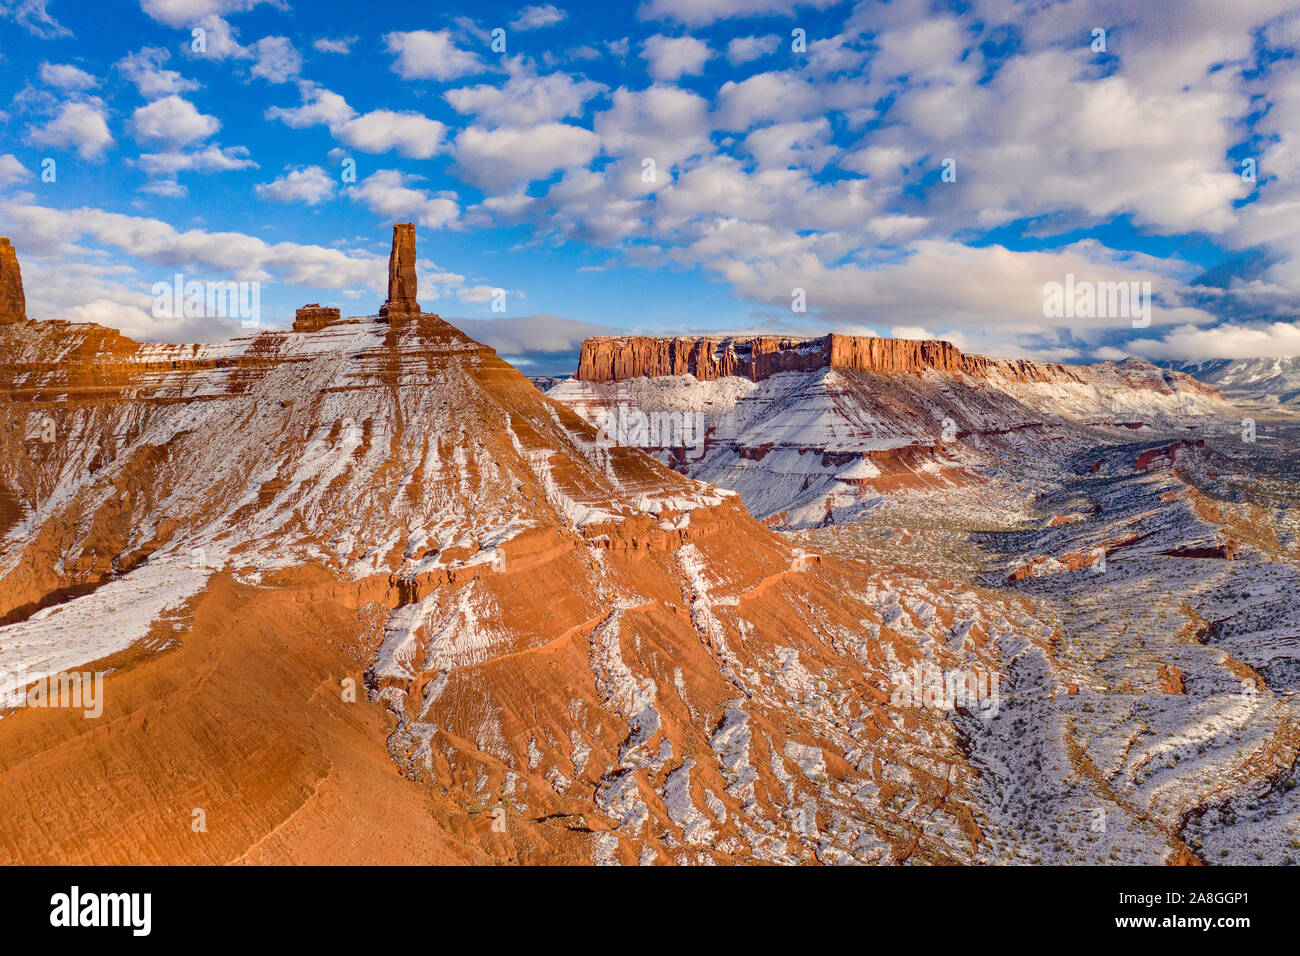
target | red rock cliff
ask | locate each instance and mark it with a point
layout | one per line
(610, 359)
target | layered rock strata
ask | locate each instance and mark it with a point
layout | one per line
(618, 358)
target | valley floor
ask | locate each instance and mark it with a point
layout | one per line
(1163, 724)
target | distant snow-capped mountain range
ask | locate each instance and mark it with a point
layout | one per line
(1265, 380)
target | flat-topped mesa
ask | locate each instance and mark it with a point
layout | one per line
(313, 317)
(611, 359)
(401, 275)
(870, 354)
(13, 304)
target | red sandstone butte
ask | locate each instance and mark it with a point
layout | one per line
(615, 358)
(608, 359)
(401, 274)
(13, 304)
(313, 317)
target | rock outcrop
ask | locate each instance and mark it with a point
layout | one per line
(313, 317)
(13, 304)
(611, 359)
(616, 359)
(1167, 452)
(401, 274)
(1223, 551)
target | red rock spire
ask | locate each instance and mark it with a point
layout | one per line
(13, 305)
(401, 274)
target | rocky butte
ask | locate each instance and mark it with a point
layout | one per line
(617, 358)
(313, 317)
(608, 359)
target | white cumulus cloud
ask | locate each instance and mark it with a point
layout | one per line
(392, 194)
(430, 55)
(65, 76)
(526, 98)
(334, 45)
(145, 69)
(669, 58)
(742, 50)
(12, 171)
(1230, 341)
(508, 156)
(80, 125)
(413, 135)
(277, 61)
(534, 17)
(310, 185)
(173, 120)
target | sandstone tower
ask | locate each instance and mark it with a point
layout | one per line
(401, 274)
(13, 305)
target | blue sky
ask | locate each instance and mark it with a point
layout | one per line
(794, 146)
